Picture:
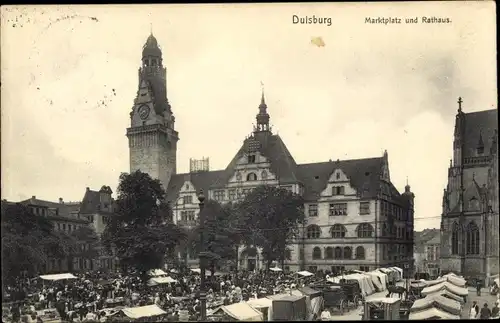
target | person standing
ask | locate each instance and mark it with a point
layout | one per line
(474, 311)
(485, 312)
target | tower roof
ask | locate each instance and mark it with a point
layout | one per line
(262, 117)
(151, 47)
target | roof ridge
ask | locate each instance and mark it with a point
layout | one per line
(481, 111)
(340, 160)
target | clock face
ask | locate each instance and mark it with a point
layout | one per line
(144, 112)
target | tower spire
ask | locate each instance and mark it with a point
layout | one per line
(460, 104)
(262, 117)
(151, 28)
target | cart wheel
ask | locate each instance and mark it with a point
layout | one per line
(341, 307)
(355, 302)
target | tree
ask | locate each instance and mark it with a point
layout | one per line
(84, 244)
(28, 241)
(220, 233)
(142, 233)
(271, 218)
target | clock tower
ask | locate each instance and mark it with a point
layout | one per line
(152, 137)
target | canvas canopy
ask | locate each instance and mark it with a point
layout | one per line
(378, 282)
(143, 311)
(455, 280)
(382, 277)
(161, 280)
(437, 301)
(364, 282)
(399, 272)
(433, 282)
(445, 285)
(58, 277)
(448, 294)
(262, 304)
(432, 313)
(275, 269)
(497, 281)
(305, 273)
(241, 312)
(314, 301)
(308, 291)
(156, 272)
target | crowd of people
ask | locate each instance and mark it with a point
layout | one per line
(91, 296)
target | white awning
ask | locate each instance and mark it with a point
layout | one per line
(156, 272)
(58, 276)
(143, 311)
(161, 280)
(432, 313)
(275, 269)
(305, 273)
(241, 312)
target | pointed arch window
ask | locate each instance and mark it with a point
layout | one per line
(251, 177)
(329, 253)
(472, 240)
(313, 232)
(347, 253)
(316, 253)
(360, 252)
(365, 230)
(338, 231)
(474, 204)
(338, 253)
(455, 236)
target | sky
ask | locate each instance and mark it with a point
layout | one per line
(69, 75)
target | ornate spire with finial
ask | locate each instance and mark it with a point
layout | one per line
(262, 117)
(460, 104)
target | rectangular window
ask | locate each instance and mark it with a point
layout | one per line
(313, 209)
(58, 226)
(190, 216)
(219, 195)
(364, 208)
(337, 209)
(251, 159)
(184, 216)
(301, 254)
(188, 199)
(64, 226)
(338, 190)
(231, 194)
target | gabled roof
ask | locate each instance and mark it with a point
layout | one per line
(201, 180)
(364, 175)
(271, 146)
(481, 124)
(65, 209)
(90, 202)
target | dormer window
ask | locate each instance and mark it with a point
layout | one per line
(252, 176)
(251, 159)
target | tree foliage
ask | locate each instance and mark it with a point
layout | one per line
(221, 235)
(271, 217)
(28, 241)
(142, 232)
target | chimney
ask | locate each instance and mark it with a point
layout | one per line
(33, 197)
(88, 189)
(61, 200)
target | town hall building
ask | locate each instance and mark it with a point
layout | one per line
(356, 218)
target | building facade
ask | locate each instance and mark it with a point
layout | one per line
(470, 221)
(356, 218)
(94, 211)
(426, 252)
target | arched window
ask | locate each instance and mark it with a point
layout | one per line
(316, 253)
(251, 177)
(263, 175)
(472, 239)
(455, 236)
(313, 231)
(365, 230)
(329, 253)
(347, 253)
(338, 231)
(360, 253)
(384, 230)
(338, 253)
(473, 204)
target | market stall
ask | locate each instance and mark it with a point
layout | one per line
(157, 273)
(161, 280)
(239, 312)
(265, 305)
(445, 286)
(432, 314)
(139, 312)
(314, 301)
(446, 293)
(289, 308)
(56, 277)
(439, 302)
